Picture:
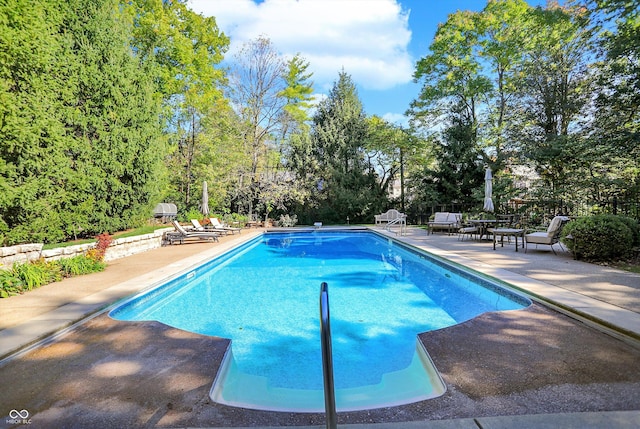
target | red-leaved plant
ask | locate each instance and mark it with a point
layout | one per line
(97, 253)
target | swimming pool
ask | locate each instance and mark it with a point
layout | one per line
(264, 297)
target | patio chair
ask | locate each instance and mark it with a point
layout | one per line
(467, 229)
(180, 234)
(549, 237)
(219, 226)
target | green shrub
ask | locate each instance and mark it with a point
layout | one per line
(190, 214)
(31, 275)
(231, 218)
(288, 220)
(52, 270)
(10, 283)
(599, 238)
(37, 273)
(634, 226)
(79, 265)
(235, 217)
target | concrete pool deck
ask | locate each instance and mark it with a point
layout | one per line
(533, 368)
(597, 293)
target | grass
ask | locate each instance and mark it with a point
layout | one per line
(147, 229)
(632, 265)
(68, 243)
(631, 268)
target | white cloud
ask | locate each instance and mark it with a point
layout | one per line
(397, 119)
(368, 38)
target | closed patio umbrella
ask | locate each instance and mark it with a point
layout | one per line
(488, 190)
(205, 199)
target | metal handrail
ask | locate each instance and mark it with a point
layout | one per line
(327, 359)
(400, 220)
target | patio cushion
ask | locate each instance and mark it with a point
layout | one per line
(441, 217)
(539, 238)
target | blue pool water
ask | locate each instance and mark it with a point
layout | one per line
(264, 297)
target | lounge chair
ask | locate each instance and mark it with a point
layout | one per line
(549, 237)
(197, 226)
(180, 234)
(218, 226)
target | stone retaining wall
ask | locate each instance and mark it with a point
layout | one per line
(119, 248)
(20, 253)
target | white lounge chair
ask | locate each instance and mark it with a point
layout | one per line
(469, 230)
(180, 234)
(196, 225)
(218, 226)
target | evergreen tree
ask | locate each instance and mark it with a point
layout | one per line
(297, 94)
(119, 147)
(460, 168)
(81, 151)
(611, 157)
(33, 164)
(346, 186)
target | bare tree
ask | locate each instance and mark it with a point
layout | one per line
(269, 95)
(255, 82)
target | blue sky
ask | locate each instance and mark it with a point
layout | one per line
(377, 42)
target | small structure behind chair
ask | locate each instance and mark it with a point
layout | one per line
(165, 212)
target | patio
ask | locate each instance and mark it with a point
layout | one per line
(107, 373)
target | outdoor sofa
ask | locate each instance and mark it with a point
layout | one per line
(445, 221)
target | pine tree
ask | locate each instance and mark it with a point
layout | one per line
(83, 151)
(346, 185)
